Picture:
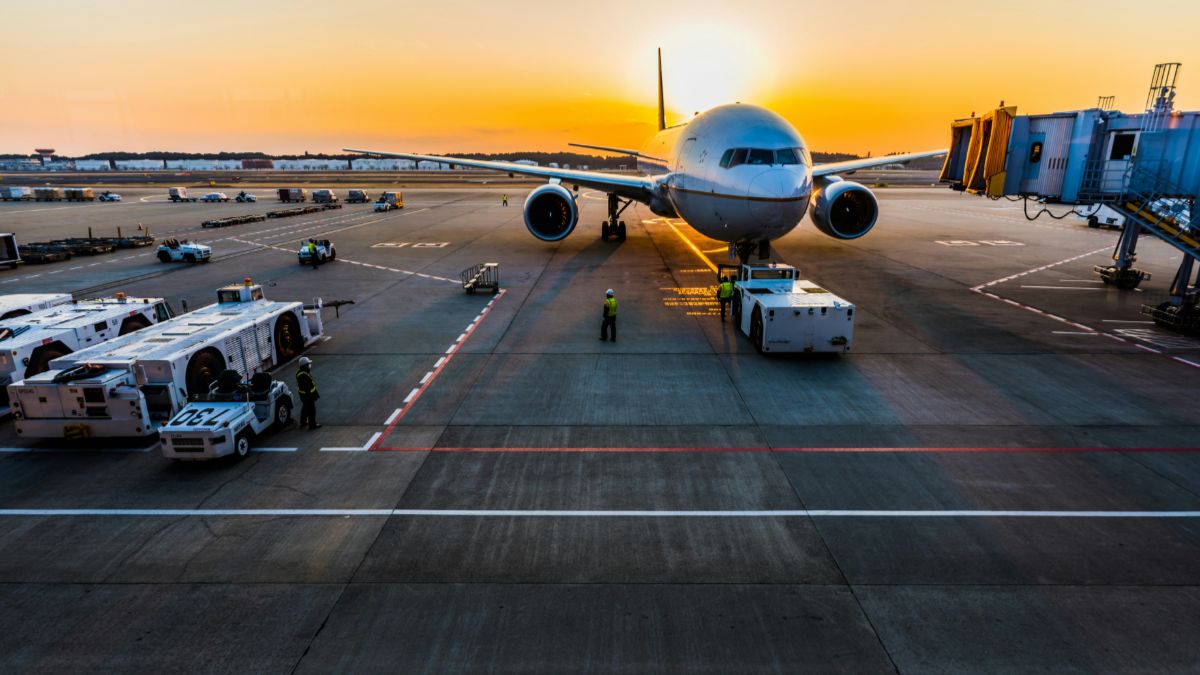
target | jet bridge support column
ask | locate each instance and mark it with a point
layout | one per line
(1123, 274)
(1182, 311)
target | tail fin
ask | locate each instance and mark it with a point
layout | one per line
(662, 114)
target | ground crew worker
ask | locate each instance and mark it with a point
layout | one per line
(306, 385)
(504, 200)
(312, 254)
(724, 294)
(610, 316)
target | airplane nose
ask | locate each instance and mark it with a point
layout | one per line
(771, 193)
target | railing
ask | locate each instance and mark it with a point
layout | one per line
(483, 275)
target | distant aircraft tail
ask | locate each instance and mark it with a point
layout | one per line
(662, 113)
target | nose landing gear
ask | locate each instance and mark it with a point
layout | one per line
(614, 227)
(747, 247)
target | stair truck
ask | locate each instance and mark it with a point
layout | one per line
(18, 304)
(780, 312)
(28, 343)
(133, 384)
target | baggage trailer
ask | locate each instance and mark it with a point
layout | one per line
(133, 384)
(10, 254)
(30, 342)
(780, 312)
(19, 304)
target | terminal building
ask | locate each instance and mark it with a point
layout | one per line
(1145, 166)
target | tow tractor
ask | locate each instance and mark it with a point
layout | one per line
(326, 252)
(245, 197)
(780, 312)
(227, 419)
(107, 196)
(176, 250)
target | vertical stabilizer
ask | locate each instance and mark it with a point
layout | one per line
(662, 114)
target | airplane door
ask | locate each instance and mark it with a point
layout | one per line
(1118, 153)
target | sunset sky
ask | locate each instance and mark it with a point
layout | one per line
(475, 75)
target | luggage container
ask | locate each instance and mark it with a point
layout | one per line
(30, 342)
(79, 194)
(134, 383)
(324, 196)
(47, 194)
(292, 194)
(357, 197)
(16, 194)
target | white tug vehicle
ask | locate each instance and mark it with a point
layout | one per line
(182, 250)
(227, 419)
(782, 313)
(135, 383)
(326, 252)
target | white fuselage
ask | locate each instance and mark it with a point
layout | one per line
(726, 196)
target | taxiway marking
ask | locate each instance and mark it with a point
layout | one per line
(362, 448)
(548, 513)
(431, 376)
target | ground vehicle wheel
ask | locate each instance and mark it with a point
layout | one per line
(288, 341)
(202, 370)
(332, 253)
(756, 329)
(163, 256)
(604, 231)
(621, 231)
(283, 413)
(188, 257)
(12, 266)
(133, 323)
(241, 446)
(39, 360)
(1093, 222)
(15, 313)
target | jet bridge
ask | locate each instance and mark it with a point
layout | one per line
(1144, 165)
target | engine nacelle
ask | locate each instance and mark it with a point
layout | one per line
(843, 209)
(551, 212)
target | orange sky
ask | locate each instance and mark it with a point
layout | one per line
(475, 75)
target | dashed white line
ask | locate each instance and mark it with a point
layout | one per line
(391, 418)
(550, 513)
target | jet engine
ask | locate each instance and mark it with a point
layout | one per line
(843, 209)
(551, 213)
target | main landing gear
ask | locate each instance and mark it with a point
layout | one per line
(614, 227)
(747, 248)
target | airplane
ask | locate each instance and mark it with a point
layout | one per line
(737, 173)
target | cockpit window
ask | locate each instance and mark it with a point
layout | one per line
(761, 157)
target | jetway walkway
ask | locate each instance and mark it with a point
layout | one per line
(1146, 166)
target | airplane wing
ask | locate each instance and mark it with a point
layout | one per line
(616, 151)
(632, 187)
(857, 164)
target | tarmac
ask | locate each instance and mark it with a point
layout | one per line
(1003, 475)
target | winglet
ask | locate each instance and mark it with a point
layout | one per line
(662, 114)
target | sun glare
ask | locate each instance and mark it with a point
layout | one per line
(710, 64)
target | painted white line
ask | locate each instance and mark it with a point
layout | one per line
(462, 336)
(363, 448)
(1149, 349)
(1065, 288)
(14, 449)
(391, 418)
(275, 449)
(1072, 332)
(411, 395)
(539, 513)
(1183, 360)
(426, 377)
(1123, 321)
(452, 347)
(438, 364)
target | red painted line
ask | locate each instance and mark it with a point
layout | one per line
(430, 379)
(791, 450)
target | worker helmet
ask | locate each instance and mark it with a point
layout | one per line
(305, 361)
(609, 292)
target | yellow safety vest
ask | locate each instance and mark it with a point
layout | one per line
(610, 307)
(309, 387)
(725, 290)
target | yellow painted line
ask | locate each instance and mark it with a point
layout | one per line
(696, 249)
